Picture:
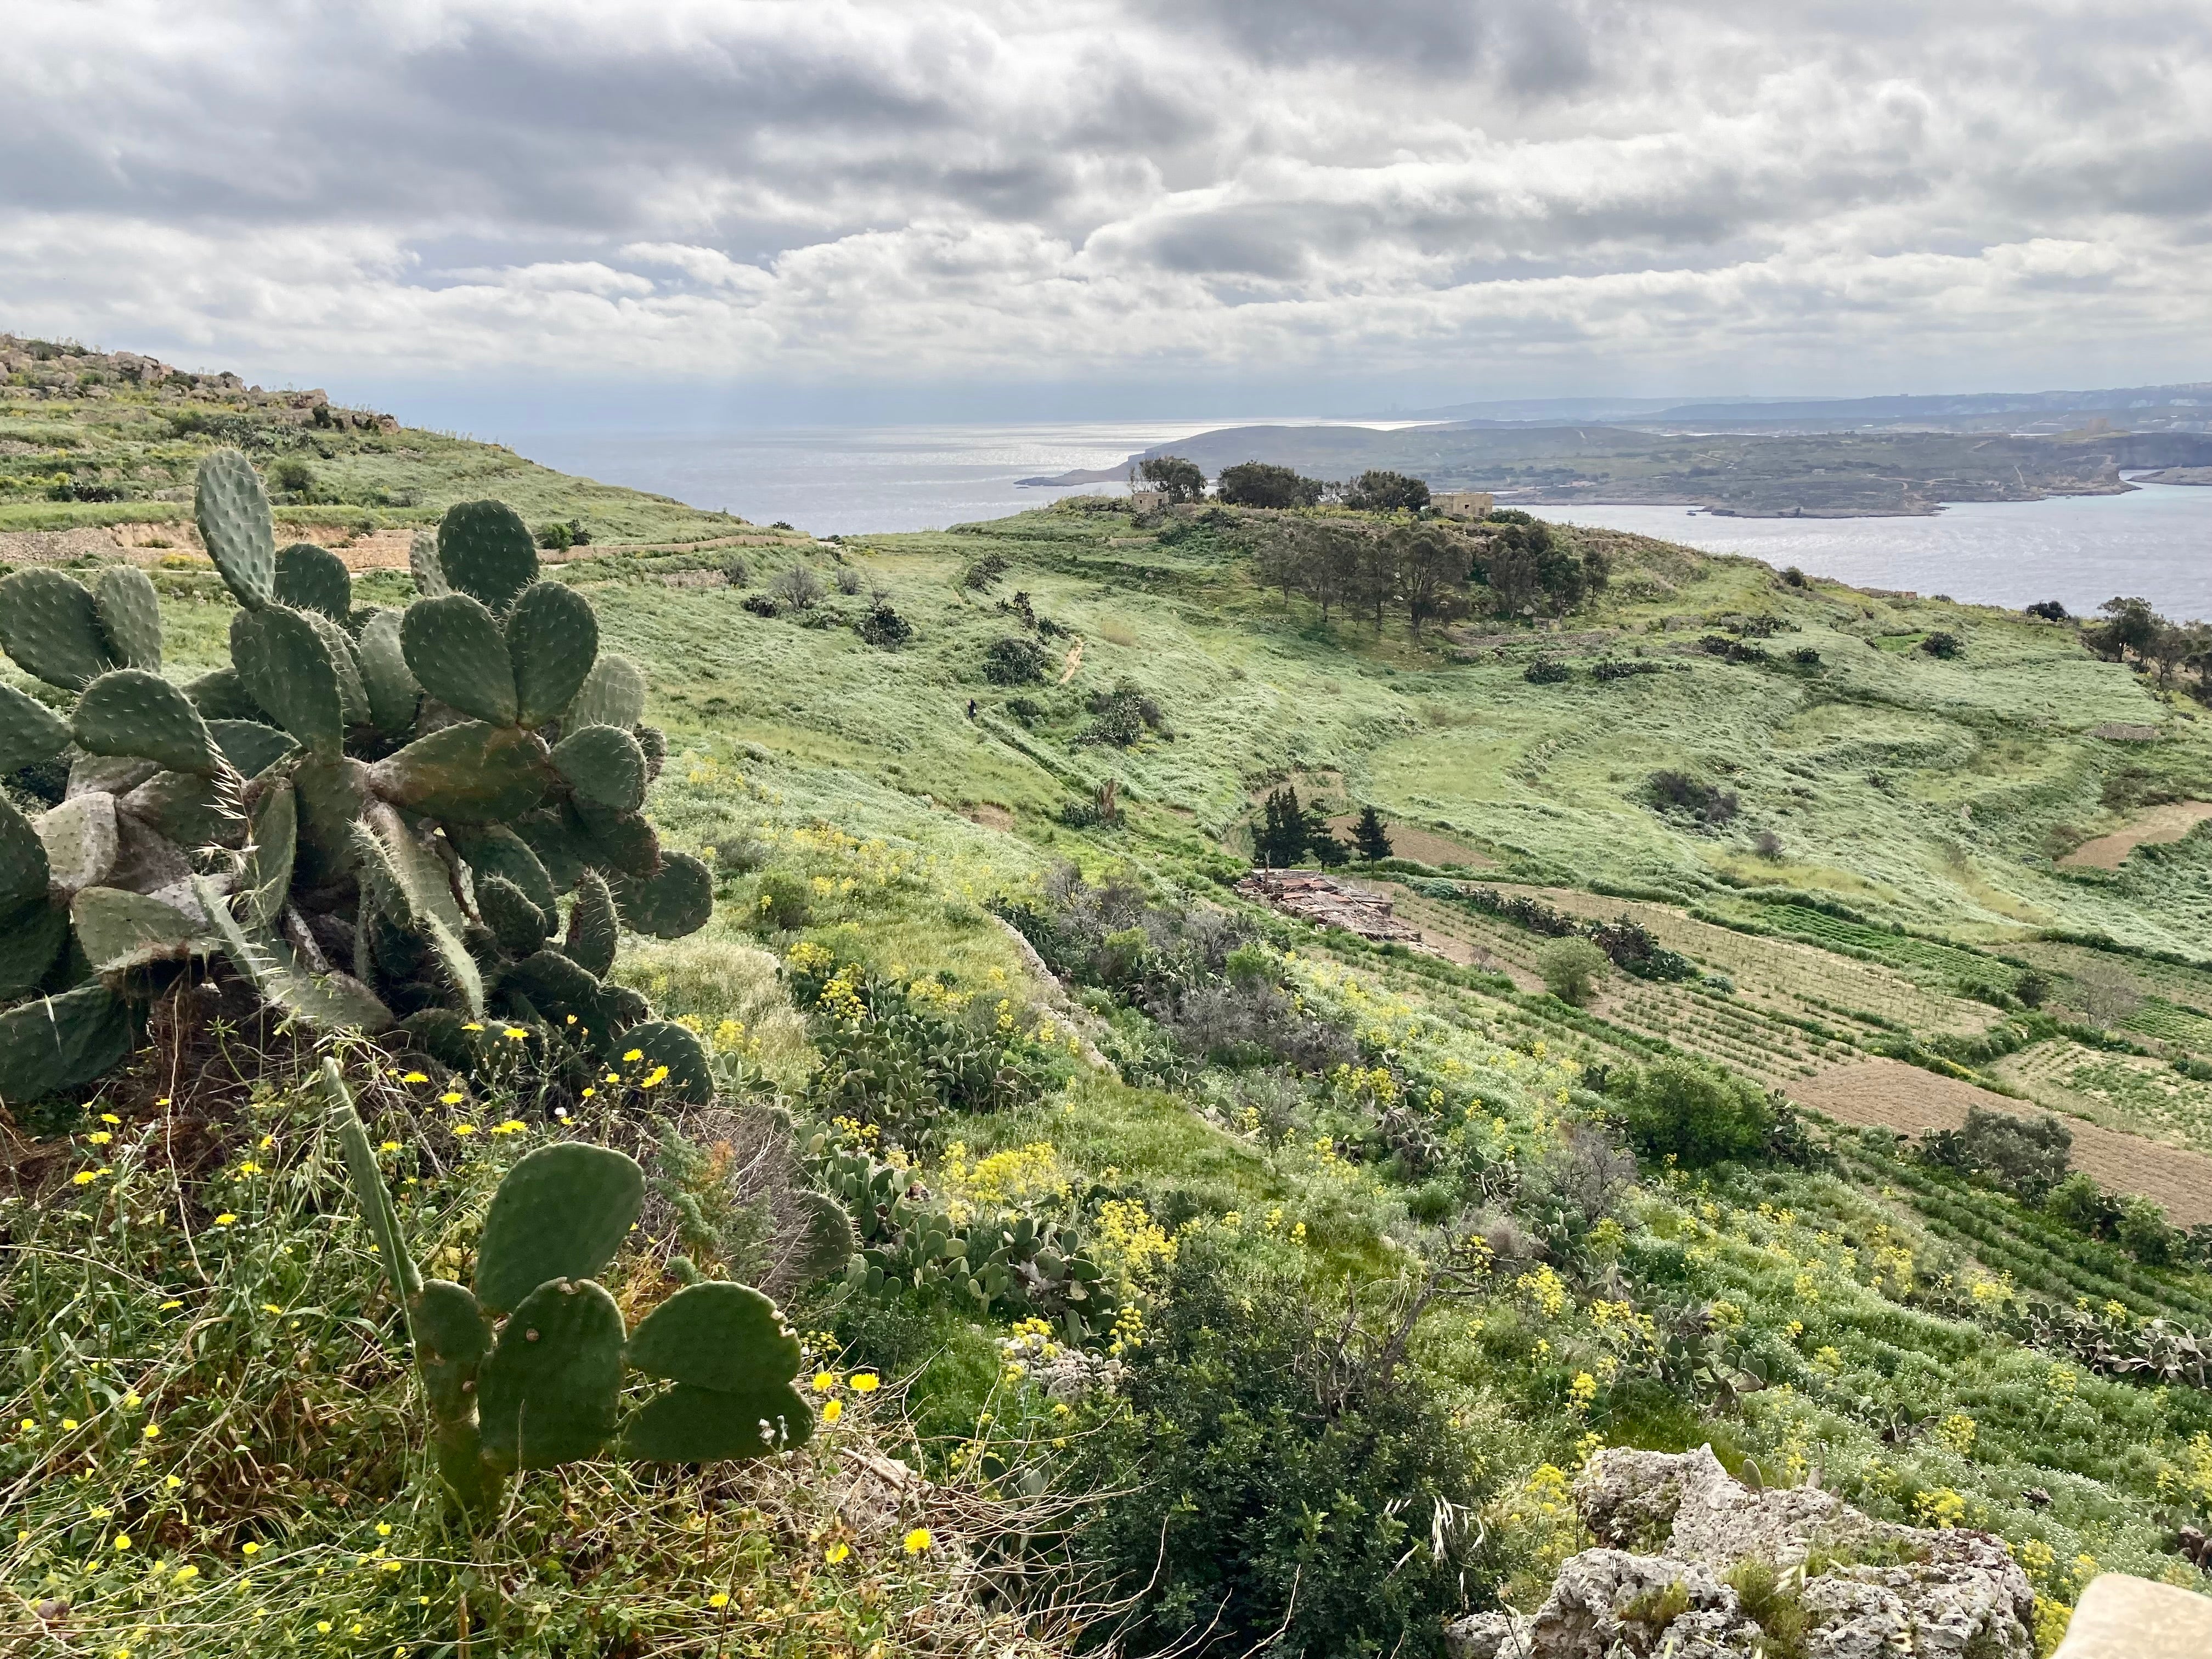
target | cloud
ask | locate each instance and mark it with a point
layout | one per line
(1529, 194)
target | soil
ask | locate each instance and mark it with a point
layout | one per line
(1895, 1095)
(1410, 841)
(2154, 823)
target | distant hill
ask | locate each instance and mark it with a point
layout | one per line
(1774, 473)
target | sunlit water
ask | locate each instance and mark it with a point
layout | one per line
(2156, 542)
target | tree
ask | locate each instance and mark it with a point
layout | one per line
(985, 572)
(1284, 828)
(1378, 491)
(1570, 967)
(1431, 569)
(1177, 479)
(1261, 483)
(1694, 1112)
(1371, 836)
(2129, 626)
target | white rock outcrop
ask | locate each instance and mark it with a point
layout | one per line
(1675, 1528)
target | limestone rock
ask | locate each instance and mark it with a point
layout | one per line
(1673, 1528)
(2123, 1618)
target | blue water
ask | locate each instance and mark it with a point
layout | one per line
(2156, 542)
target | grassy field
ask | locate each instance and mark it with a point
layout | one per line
(1920, 806)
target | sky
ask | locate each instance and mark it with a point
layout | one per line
(825, 210)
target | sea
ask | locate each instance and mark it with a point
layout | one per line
(2154, 542)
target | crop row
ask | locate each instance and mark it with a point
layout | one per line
(1998, 1232)
(1903, 950)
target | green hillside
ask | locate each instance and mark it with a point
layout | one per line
(1377, 1271)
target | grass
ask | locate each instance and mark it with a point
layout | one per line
(1911, 791)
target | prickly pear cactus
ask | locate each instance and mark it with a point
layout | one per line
(428, 819)
(543, 1388)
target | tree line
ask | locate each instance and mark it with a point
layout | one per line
(1510, 565)
(1263, 484)
(2133, 632)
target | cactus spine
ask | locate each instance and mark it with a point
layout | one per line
(432, 785)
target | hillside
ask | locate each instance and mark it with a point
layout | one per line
(1391, 1239)
(91, 439)
(1757, 473)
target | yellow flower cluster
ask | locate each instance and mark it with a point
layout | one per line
(1020, 1174)
(1129, 1245)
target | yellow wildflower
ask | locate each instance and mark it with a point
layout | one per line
(917, 1540)
(865, 1382)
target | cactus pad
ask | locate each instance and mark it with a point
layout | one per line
(664, 1043)
(423, 562)
(621, 844)
(273, 841)
(716, 1336)
(250, 747)
(673, 902)
(394, 695)
(553, 639)
(286, 669)
(31, 938)
(232, 511)
(603, 765)
(353, 697)
(692, 1424)
(562, 1212)
(133, 711)
(24, 869)
(81, 840)
(827, 1245)
(492, 849)
(121, 931)
(334, 1002)
(130, 615)
(185, 809)
(455, 649)
(50, 625)
(550, 1393)
(519, 926)
(558, 988)
(471, 773)
(59, 1042)
(594, 928)
(451, 1341)
(29, 731)
(375, 1198)
(311, 578)
(613, 694)
(486, 551)
(220, 695)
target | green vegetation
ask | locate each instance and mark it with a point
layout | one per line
(1235, 1274)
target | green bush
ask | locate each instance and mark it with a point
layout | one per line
(784, 902)
(1695, 1113)
(1013, 660)
(1570, 967)
(1272, 1484)
(2143, 1232)
(2025, 1155)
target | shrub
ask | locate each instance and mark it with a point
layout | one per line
(1013, 660)
(847, 579)
(2031, 987)
(1767, 844)
(558, 536)
(784, 902)
(1943, 644)
(2143, 1232)
(797, 587)
(1692, 1112)
(982, 575)
(2080, 1203)
(736, 572)
(1805, 657)
(1621, 668)
(1546, 671)
(760, 605)
(1680, 791)
(2025, 1155)
(1276, 1480)
(2049, 611)
(294, 478)
(1259, 483)
(884, 628)
(1792, 575)
(1381, 491)
(1570, 967)
(1123, 715)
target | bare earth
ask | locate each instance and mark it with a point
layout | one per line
(1410, 841)
(1895, 1095)
(2154, 824)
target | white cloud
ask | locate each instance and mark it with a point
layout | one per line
(1802, 196)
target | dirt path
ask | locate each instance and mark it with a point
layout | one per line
(2155, 823)
(1894, 1096)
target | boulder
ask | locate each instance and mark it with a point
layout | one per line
(1675, 1529)
(2123, 1618)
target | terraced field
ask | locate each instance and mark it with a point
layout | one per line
(2135, 1093)
(1891, 1095)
